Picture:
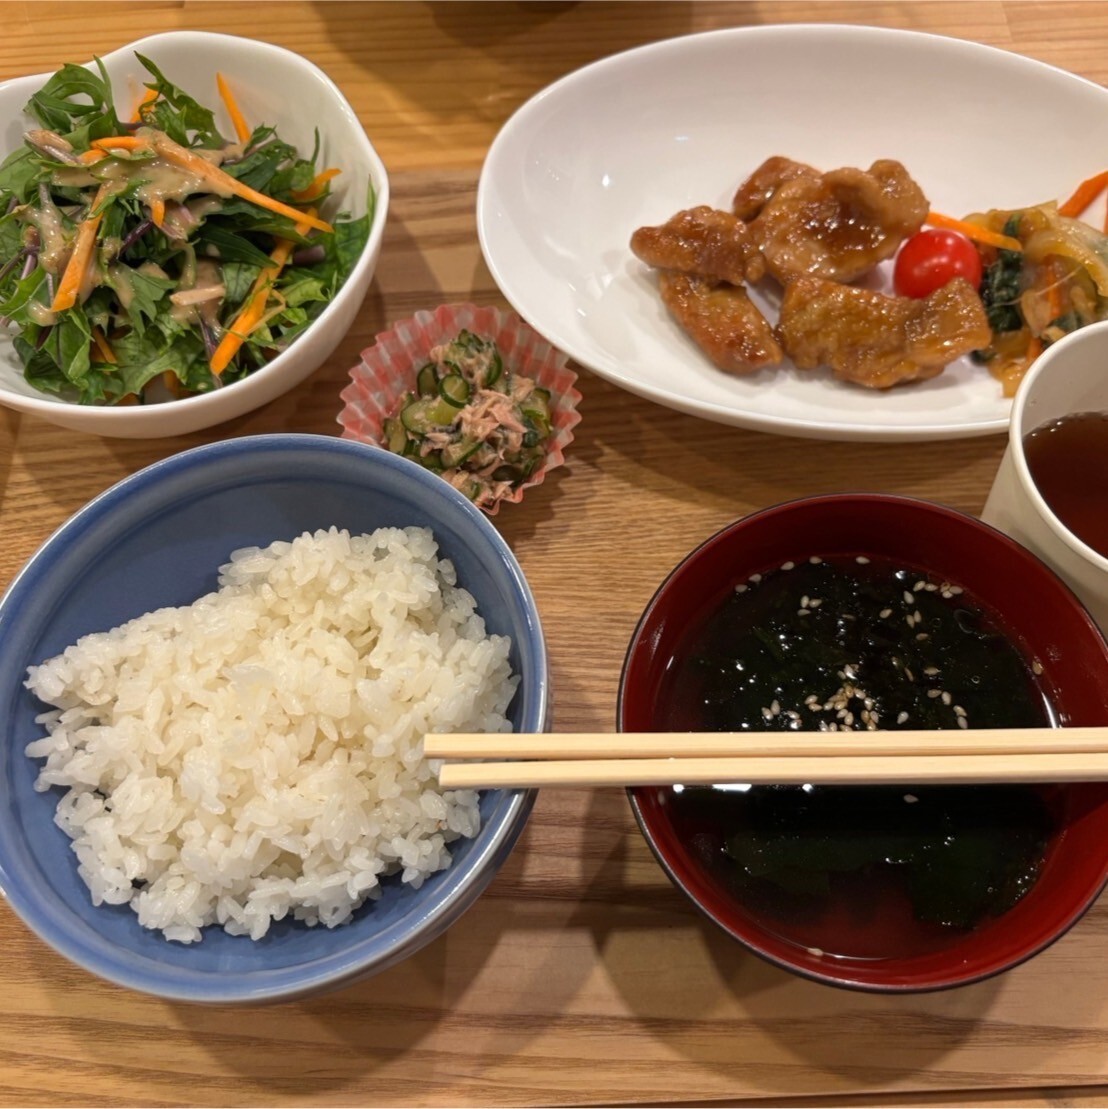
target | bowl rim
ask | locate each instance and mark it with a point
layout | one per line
(350, 964)
(950, 980)
(113, 416)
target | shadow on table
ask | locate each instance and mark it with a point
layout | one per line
(681, 976)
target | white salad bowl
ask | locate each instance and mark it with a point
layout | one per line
(273, 86)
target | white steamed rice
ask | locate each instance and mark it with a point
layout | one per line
(258, 753)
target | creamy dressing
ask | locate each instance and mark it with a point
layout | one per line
(54, 249)
(41, 314)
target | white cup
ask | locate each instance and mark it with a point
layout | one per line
(1069, 377)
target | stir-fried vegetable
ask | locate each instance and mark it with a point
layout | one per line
(155, 250)
(1055, 284)
(472, 420)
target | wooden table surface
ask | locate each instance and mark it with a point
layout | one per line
(581, 976)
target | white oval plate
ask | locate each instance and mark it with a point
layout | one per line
(631, 139)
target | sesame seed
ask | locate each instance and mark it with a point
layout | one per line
(815, 602)
(909, 675)
(766, 714)
(930, 671)
(1036, 667)
(918, 586)
(956, 590)
(963, 722)
(755, 578)
(901, 717)
(787, 565)
(804, 601)
(740, 588)
(861, 560)
(933, 693)
(919, 618)
(848, 719)
(804, 612)
(775, 707)
(816, 952)
(885, 613)
(908, 598)
(910, 798)
(946, 698)
(922, 636)
(932, 587)
(959, 711)
(815, 560)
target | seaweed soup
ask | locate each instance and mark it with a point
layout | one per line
(853, 644)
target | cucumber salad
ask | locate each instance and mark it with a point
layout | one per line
(473, 421)
(145, 256)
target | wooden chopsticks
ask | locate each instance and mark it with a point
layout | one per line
(784, 758)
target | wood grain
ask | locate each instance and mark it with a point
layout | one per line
(582, 976)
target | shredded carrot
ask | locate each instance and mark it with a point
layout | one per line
(157, 212)
(972, 231)
(253, 308)
(1105, 226)
(120, 142)
(90, 157)
(101, 344)
(148, 97)
(186, 159)
(79, 260)
(172, 382)
(238, 120)
(1084, 195)
(317, 185)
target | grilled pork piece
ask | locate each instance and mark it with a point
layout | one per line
(877, 340)
(756, 190)
(703, 241)
(722, 321)
(841, 224)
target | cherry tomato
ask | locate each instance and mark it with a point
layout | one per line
(931, 258)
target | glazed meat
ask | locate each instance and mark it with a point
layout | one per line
(722, 321)
(877, 340)
(841, 224)
(703, 241)
(756, 190)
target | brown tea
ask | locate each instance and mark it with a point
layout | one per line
(1068, 460)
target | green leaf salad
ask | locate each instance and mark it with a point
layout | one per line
(152, 253)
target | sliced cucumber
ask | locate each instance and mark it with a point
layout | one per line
(426, 414)
(454, 389)
(456, 453)
(427, 380)
(496, 368)
(395, 435)
(536, 408)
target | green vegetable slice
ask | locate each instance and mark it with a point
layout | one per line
(455, 390)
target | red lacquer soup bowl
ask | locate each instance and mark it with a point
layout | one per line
(861, 929)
